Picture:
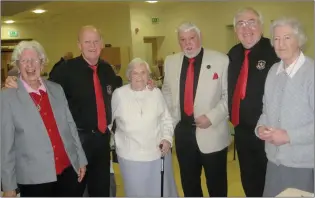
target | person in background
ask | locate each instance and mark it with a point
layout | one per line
(143, 123)
(195, 89)
(41, 152)
(88, 83)
(67, 56)
(156, 73)
(250, 61)
(286, 124)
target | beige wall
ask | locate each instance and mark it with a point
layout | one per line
(212, 18)
(59, 34)
(118, 23)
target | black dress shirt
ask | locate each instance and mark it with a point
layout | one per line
(76, 78)
(261, 57)
(197, 67)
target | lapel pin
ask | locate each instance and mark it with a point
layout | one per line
(208, 66)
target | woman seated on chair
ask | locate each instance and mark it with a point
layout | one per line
(143, 124)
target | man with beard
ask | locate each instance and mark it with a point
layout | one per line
(195, 89)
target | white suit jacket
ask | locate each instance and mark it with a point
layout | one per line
(210, 99)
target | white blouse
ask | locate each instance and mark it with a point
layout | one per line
(142, 120)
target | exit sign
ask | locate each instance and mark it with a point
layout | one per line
(13, 33)
(155, 20)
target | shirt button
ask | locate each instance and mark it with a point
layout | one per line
(54, 147)
(45, 113)
(57, 158)
(49, 130)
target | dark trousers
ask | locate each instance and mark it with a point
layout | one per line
(191, 161)
(65, 186)
(252, 160)
(97, 150)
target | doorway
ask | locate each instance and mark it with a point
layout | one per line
(7, 47)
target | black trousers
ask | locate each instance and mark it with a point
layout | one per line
(252, 160)
(191, 161)
(66, 186)
(97, 150)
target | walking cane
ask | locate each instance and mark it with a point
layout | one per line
(162, 172)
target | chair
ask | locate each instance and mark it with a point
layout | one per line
(232, 132)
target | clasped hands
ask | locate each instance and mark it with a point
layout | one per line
(273, 135)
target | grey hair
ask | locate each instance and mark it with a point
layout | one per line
(136, 61)
(33, 45)
(294, 24)
(248, 9)
(185, 27)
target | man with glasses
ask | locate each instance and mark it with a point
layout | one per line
(250, 61)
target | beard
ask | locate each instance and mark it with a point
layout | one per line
(192, 54)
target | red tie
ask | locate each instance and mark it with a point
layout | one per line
(240, 91)
(101, 114)
(189, 89)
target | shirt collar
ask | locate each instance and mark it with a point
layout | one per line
(29, 89)
(293, 68)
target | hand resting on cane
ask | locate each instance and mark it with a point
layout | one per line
(165, 147)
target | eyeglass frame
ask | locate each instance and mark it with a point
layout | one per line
(32, 61)
(251, 23)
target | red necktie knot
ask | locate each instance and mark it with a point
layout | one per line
(191, 60)
(94, 67)
(246, 52)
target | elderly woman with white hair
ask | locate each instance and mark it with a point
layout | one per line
(287, 122)
(41, 152)
(143, 124)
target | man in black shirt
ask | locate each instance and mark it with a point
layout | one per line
(77, 78)
(249, 60)
(88, 83)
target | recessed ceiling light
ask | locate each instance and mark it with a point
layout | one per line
(9, 21)
(39, 11)
(151, 1)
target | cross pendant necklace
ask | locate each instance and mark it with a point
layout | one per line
(138, 104)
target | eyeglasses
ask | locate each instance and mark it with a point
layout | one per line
(250, 23)
(31, 61)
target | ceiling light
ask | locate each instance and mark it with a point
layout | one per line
(9, 21)
(39, 11)
(151, 1)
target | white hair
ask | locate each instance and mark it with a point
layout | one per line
(32, 45)
(294, 24)
(248, 9)
(185, 27)
(133, 63)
